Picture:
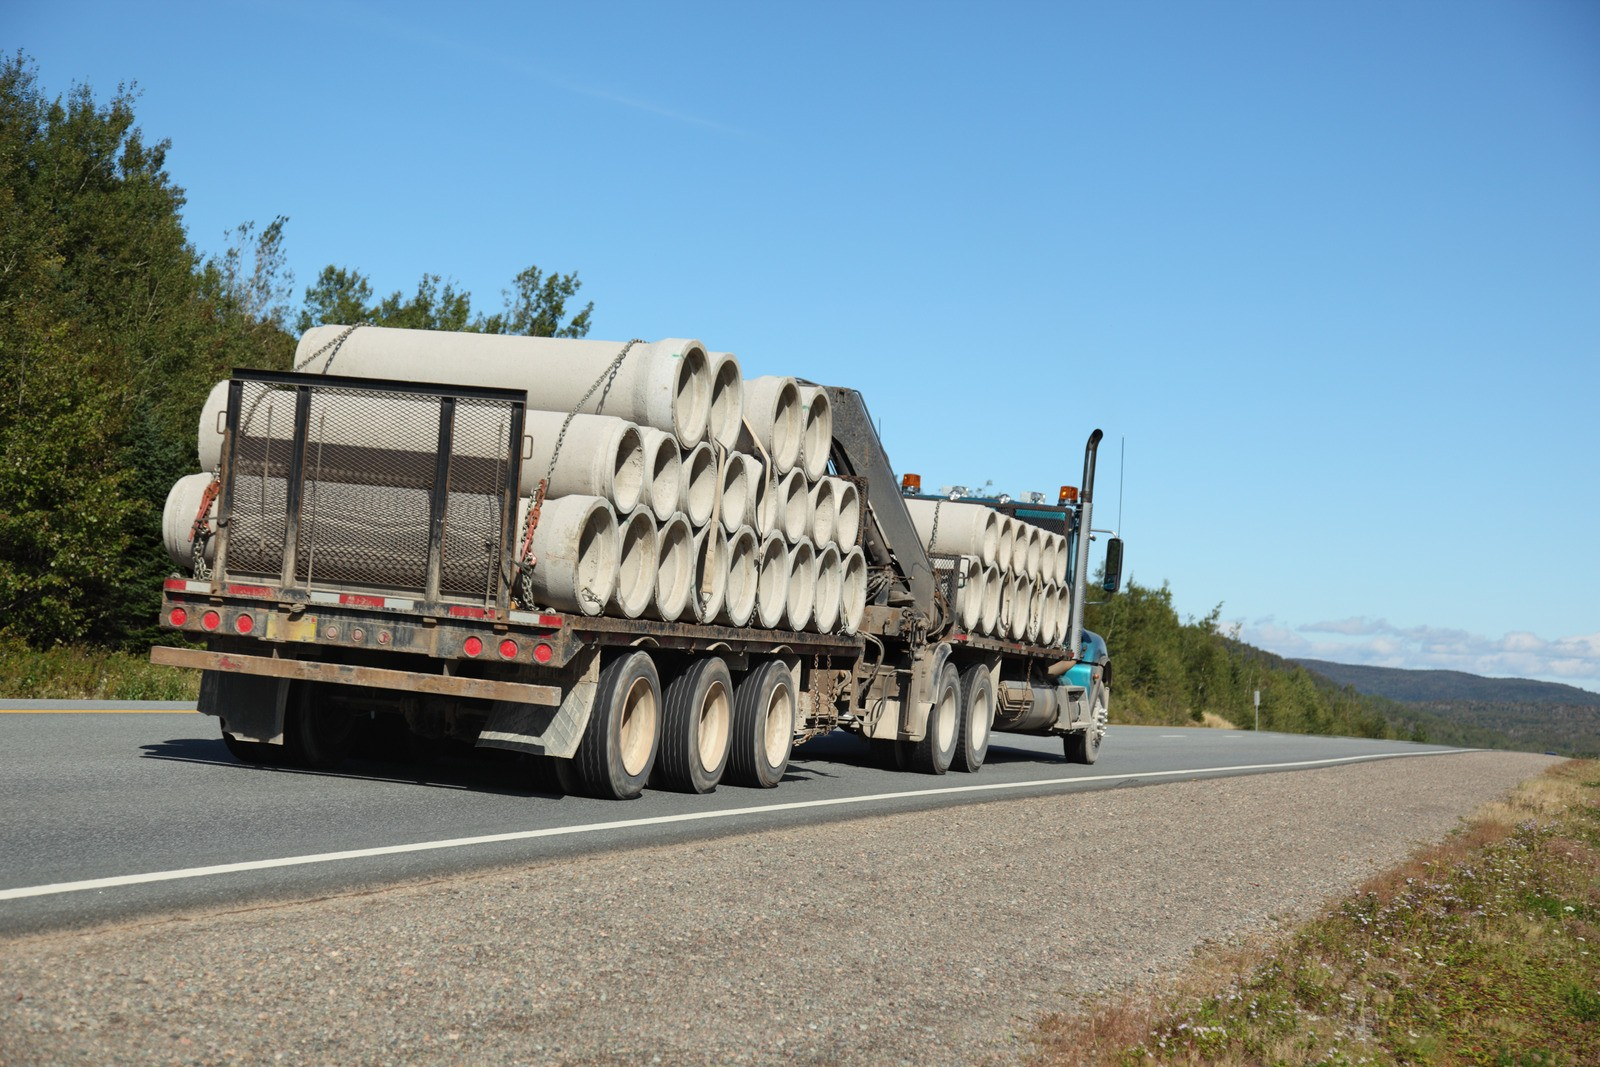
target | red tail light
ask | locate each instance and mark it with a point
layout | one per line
(508, 649)
(211, 620)
(472, 646)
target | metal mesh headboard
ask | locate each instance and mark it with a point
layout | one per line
(340, 481)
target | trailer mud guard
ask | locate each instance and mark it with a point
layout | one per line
(545, 730)
(250, 706)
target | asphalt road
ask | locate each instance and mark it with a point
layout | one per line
(114, 811)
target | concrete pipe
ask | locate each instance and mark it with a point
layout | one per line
(772, 580)
(365, 438)
(663, 473)
(739, 594)
(970, 586)
(736, 489)
(824, 512)
(830, 583)
(674, 569)
(952, 528)
(698, 495)
(853, 591)
(1063, 561)
(638, 558)
(1019, 547)
(773, 413)
(1019, 593)
(665, 384)
(179, 515)
(726, 417)
(710, 573)
(793, 516)
(764, 499)
(847, 517)
(1005, 543)
(801, 598)
(575, 550)
(993, 592)
(816, 435)
(1035, 563)
(1054, 617)
(1036, 610)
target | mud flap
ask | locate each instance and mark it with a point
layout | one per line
(546, 730)
(250, 706)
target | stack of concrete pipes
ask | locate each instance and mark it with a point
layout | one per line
(1011, 577)
(676, 490)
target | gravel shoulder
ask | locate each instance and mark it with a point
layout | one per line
(926, 938)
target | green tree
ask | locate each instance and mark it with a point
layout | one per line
(111, 331)
(536, 307)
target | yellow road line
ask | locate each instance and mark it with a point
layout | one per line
(97, 711)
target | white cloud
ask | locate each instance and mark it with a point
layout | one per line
(1573, 660)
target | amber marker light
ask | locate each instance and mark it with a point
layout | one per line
(1069, 495)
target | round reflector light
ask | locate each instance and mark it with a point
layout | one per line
(244, 624)
(542, 653)
(211, 620)
(508, 649)
(178, 617)
(472, 646)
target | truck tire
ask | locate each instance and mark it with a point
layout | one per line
(977, 717)
(255, 753)
(618, 750)
(936, 750)
(765, 709)
(696, 728)
(1084, 745)
(316, 733)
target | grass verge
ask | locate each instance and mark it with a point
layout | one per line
(82, 672)
(1484, 949)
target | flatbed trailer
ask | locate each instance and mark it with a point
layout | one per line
(304, 655)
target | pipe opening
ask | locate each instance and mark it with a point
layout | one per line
(675, 568)
(853, 591)
(691, 397)
(699, 488)
(830, 576)
(739, 593)
(847, 519)
(596, 568)
(727, 402)
(736, 492)
(802, 594)
(627, 470)
(636, 565)
(772, 581)
(817, 431)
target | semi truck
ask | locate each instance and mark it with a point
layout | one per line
(360, 566)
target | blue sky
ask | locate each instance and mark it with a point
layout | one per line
(1331, 270)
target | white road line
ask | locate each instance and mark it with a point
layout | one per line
(657, 820)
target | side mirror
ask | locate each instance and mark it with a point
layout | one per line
(1113, 571)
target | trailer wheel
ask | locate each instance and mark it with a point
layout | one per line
(937, 749)
(696, 728)
(255, 753)
(618, 750)
(977, 717)
(765, 708)
(1084, 746)
(316, 732)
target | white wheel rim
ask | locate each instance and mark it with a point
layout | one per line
(946, 725)
(636, 734)
(780, 725)
(982, 712)
(715, 714)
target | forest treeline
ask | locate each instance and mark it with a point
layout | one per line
(1176, 672)
(114, 326)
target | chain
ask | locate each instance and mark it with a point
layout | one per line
(933, 535)
(526, 560)
(607, 376)
(335, 344)
(200, 531)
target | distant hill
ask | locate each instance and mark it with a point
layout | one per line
(1435, 686)
(1540, 716)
